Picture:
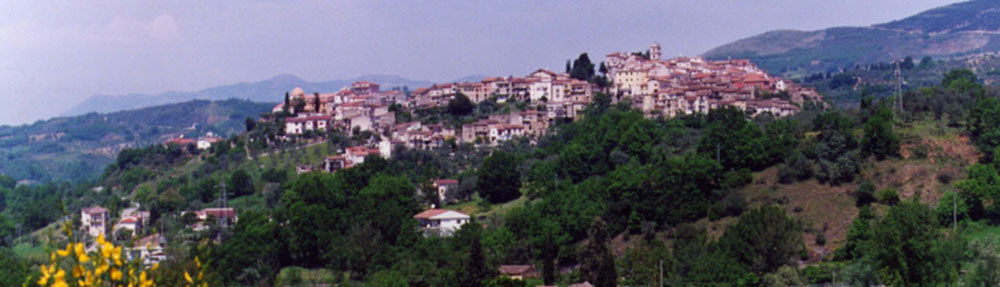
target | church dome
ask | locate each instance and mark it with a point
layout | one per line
(297, 92)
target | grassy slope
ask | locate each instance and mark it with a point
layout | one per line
(819, 205)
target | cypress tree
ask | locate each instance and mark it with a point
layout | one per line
(598, 265)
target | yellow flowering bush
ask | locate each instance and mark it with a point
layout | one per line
(196, 281)
(73, 266)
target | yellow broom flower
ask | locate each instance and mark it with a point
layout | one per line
(116, 274)
(67, 251)
(46, 274)
(60, 279)
(81, 253)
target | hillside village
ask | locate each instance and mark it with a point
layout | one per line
(656, 87)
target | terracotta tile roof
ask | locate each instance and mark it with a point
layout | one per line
(427, 214)
(515, 269)
(218, 212)
(180, 141)
(94, 210)
(153, 241)
(447, 181)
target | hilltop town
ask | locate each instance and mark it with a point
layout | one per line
(656, 87)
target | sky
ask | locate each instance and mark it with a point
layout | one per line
(55, 54)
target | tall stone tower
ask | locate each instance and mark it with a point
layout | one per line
(654, 51)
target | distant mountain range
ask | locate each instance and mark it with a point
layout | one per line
(955, 30)
(270, 90)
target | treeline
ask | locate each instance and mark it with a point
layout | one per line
(358, 220)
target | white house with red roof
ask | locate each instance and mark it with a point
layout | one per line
(132, 222)
(149, 250)
(218, 215)
(443, 221)
(206, 142)
(94, 220)
(303, 123)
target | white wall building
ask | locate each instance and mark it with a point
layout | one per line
(149, 250)
(94, 220)
(443, 221)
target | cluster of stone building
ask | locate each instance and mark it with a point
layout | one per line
(657, 87)
(679, 86)
(96, 221)
(365, 107)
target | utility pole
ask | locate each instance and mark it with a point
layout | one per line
(898, 101)
(661, 272)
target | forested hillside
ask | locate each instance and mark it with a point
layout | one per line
(77, 148)
(859, 196)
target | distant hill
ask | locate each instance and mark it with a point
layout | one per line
(270, 90)
(955, 30)
(78, 147)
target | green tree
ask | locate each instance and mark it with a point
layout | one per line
(388, 201)
(314, 205)
(253, 255)
(958, 76)
(926, 62)
(982, 184)
(287, 102)
(361, 246)
(460, 105)
(857, 243)
(865, 194)
(475, 270)
(582, 68)
(904, 246)
(907, 63)
(786, 276)
(835, 151)
(7, 232)
(598, 264)
(641, 265)
(986, 263)
(240, 184)
(7, 182)
(880, 140)
(983, 122)
(250, 124)
(763, 240)
(951, 208)
(388, 278)
(499, 180)
(13, 269)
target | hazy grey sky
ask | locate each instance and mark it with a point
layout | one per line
(54, 54)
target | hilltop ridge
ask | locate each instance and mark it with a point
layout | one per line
(955, 30)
